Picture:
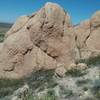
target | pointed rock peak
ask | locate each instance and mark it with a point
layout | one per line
(95, 20)
(85, 24)
(52, 5)
(56, 13)
(97, 13)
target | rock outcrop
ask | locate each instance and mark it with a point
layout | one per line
(47, 39)
(36, 42)
(88, 37)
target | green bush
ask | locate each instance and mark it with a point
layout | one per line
(65, 92)
(75, 73)
(96, 88)
(8, 86)
(41, 79)
(2, 37)
(83, 82)
(91, 60)
(50, 95)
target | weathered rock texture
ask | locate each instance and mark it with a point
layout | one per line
(36, 42)
(46, 39)
(88, 37)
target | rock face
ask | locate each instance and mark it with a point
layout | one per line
(88, 37)
(36, 42)
(46, 39)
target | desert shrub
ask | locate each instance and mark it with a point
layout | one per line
(95, 89)
(41, 79)
(76, 73)
(85, 88)
(83, 82)
(1, 37)
(89, 98)
(91, 60)
(65, 92)
(29, 95)
(50, 95)
(8, 86)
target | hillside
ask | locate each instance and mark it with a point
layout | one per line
(4, 27)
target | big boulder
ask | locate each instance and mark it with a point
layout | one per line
(88, 37)
(93, 41)
(36, 42)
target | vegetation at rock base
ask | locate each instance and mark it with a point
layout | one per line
(83, 82)
(50, 95)
(43, 86)
(75, 73)
(91, 61)
(41, 80)
(65, 92)
(8, 86)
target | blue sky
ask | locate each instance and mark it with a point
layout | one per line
(79, 10)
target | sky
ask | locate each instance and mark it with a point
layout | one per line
(79, 10)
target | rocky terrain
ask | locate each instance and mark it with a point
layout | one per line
(76, 84)
(45, 57)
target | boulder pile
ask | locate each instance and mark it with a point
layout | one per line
(47, 39)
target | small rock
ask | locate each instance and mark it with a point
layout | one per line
(82, 66)
(72, 66)
(60, 71)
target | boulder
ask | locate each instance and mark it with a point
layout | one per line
(82, 32)
(60, 70)
(93, 41)
(45, 39)
(88, 37)
(51, 30)
(72, 66)
(95, 20)
(38, 42)
(82, 66)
